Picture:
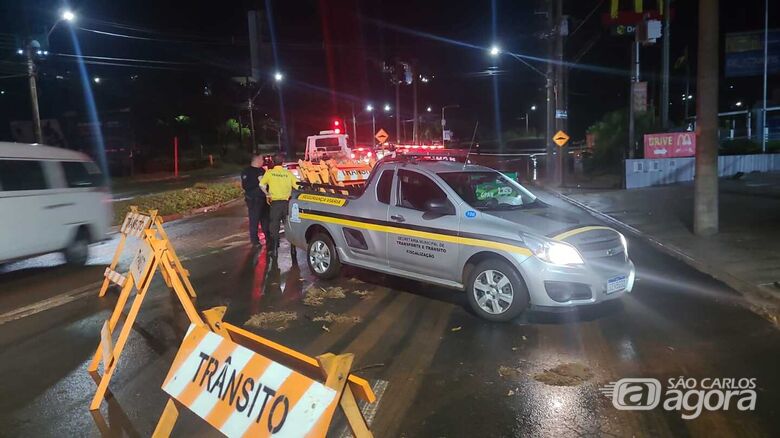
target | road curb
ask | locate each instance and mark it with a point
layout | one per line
(194, 212)
(758, 300)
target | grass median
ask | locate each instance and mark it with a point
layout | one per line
(180, 201)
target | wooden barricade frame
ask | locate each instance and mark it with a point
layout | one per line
(153, 255)
(135, 224)
(331, 370)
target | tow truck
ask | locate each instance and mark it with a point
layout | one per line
(332, 164)
(465, 227)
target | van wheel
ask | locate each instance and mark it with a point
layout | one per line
(496, 291)
(77, 252)
(322, 257)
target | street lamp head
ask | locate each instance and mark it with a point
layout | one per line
(533, 107)
(739, 103)
(495, 50)
(369, 107)
(278, 77)
(429, 109)
(68, 15)
(387, 107)
(96, 79)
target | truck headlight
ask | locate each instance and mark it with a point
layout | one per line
(556, 253)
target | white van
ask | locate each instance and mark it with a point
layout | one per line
(51, 199)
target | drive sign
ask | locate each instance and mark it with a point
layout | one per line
(670, 145)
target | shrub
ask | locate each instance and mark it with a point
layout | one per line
(180, 201)
(740, 146)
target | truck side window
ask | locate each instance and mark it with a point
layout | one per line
(22, 175)
(417, 189)
(384, 186)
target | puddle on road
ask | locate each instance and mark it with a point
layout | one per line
(337, 318)
(272, 320)
(567, 374)
(510, 372)
(316, 295)
(363, 294)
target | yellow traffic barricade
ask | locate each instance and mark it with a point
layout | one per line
(134, 225)
(155, 253)
(245, 385)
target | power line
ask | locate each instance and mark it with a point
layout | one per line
(118, 64)
(164, 40)
(226, 40)
(107, 58)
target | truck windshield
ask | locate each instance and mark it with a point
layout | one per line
(489, 190)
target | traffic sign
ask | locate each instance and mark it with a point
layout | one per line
(560, 138)
(381, 136)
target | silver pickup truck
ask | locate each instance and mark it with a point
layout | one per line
(465, 227)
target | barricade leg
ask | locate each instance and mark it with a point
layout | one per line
(167, 420)
(185, 274)
(120, 343)
(181, 292)
(336, 370)
(120, 305)
(112, 266)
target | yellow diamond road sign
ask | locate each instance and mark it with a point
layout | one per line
(560, 138)
(381, 136)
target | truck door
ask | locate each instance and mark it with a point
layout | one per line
(426, 222)
(369, 244)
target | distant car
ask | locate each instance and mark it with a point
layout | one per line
(465, 227)
(51, 199)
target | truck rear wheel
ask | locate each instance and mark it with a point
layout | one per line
(322, 257)
(496, 291)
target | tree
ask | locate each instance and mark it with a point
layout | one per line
(610, 138)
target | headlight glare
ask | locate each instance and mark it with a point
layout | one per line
(557, 253)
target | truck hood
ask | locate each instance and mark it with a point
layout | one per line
(545, 220)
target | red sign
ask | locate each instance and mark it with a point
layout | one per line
(670, 145)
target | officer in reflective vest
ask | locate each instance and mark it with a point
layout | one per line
(277, 184)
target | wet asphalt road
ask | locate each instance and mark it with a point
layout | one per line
(440, 363)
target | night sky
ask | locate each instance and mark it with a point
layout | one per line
(331, 53)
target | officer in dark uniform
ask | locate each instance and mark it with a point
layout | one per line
(255, 199)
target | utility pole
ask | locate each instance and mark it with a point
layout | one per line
(398, 109)
(705, 200)
(631, 108)
(252, 126)
(765, 131)
(32, 76)
(416, 123)
(561, 113)
(549, 84)
(665, 66)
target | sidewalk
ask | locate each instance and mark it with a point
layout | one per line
(745, 254)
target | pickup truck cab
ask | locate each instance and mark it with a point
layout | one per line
(465, 227)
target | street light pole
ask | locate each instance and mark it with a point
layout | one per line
(31, 74)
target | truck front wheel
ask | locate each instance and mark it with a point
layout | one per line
(496, 291)
(322, 257)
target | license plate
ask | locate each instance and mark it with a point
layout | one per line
(616, 284)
